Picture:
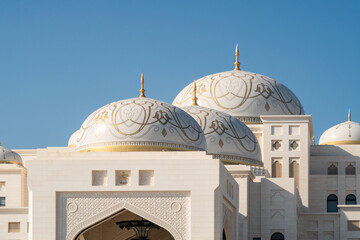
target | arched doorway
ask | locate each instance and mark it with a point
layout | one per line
(277, 236)
(107, 229)
(332, 202)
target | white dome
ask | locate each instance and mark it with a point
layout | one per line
(342, 134)
(73, 139)
(9, 156)
(140, 124)
(227, 137)
(244, 95)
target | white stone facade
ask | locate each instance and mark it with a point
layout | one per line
(186, 192)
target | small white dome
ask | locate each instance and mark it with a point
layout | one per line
(9, 156)
(140, 124)
(242, 94)
(342, 134)
(227, 137)
(73, 139)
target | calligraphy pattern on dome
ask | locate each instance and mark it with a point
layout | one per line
(242, 94)
(141, 122)
(226, 136)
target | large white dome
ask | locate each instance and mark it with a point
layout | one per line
(227, 137)
(73, 139)
(140, 124)
(242, 94)
(342, 134)
(9, 156)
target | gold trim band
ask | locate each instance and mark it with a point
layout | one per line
(131, 148)
(346, 142)
(11, 162)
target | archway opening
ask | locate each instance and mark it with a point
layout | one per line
(224, 235)
(332, 202)
(277, 236)
(108, 229)
(350, 199)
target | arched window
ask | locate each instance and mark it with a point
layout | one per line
(277, 236)
(332, 202)
(294, 172)
(276, 170)
(332, 170)
(350, 170)
(350, 199)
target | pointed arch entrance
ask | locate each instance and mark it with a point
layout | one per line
(77, 212)
(131, 212)
(107, 229)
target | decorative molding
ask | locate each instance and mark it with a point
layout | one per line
(78, 211)
(250, 120)
(146, 177)
(230, 159)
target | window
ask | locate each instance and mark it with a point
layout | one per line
(276, 170)
(294, 145)
(350, 199)
(294, 169)
(13, 227)
(332, 202)
(276, 145)
(2, 186)
(332, 170)
(353, 226)
(277, 236)
(294, 172)
(350, 170)
(2, 201)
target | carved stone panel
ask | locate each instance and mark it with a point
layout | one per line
(77, 211)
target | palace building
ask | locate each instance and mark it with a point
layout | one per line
(233, 157)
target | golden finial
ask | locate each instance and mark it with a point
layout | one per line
(142, 90)
(349, 115)
(194, 103)
(237, 63)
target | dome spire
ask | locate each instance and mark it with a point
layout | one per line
(142, 90)
(237, 63)
(194, 103)
(349, 115)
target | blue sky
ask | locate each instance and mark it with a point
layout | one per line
(61, 60)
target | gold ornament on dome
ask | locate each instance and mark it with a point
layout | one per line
(237, 63)
(142, 90)
(349, 115)
(194, 103)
